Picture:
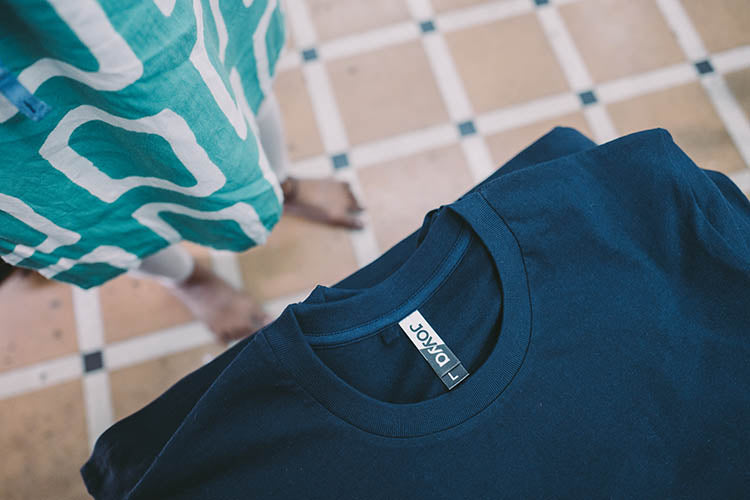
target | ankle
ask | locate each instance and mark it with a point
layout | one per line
(289, 188)
(200, 275)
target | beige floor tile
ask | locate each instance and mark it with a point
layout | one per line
(44, 443)
(302, 137)
(687, 113)
(297, 256)
(386, 92)
(443, 5)
(506, 62)
(336, 18)
(505, 145)
(621, 37)
(722, 24)
(135, 386)
(399, 193)
(37, 321)
(739, 83)
(132, 307)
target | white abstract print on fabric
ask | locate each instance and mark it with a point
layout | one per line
(127, 128)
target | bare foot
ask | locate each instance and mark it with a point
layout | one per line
(329, 201)
(230, 314)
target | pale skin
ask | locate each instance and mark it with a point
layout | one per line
(232, 314)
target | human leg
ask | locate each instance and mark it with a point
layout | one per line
(323, 200)
(229, 313)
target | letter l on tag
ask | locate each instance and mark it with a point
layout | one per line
(441, 359)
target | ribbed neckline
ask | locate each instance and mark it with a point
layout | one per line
(389, 301)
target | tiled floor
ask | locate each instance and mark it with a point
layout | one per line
(515, 63)
(401, 97)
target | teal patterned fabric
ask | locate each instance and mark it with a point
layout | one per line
(150, 137)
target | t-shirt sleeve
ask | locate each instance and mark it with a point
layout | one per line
(721, 209)
(639, 196)
(123, 454)
(648, 187)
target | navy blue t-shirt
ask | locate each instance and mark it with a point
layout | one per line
(599, 298)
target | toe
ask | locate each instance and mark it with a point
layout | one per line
(354, 204)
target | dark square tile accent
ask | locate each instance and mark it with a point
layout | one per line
(427, 26)
(340, 160)
(587, 97)
(92, 361)
(704, 67)
(541, 2)
(309, 54)
(467, 128)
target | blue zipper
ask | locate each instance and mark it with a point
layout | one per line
(20, 97)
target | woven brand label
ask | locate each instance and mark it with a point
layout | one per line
(444, 363)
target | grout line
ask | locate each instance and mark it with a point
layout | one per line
(482, 14)
(325, 109)
(729, 111)
(227, 266)
(40, 375)
(526, 113)
(446, 77)
(454, 94)
(478, 157)
(732, 60)
(601, 123)
(156, 344)
(289, 59)
(564, 48)
(363, 241)
(403, 145)
(97, 396)
(301, 23)
(420, 10)
(98, 402)
(644, 83)
(361, 43)
(276, 306)
(679, 21)
(742, 179)
(726, 61)
(312, 167)
(575, 70)
(87, 311)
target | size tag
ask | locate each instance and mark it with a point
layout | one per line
(432, 348)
